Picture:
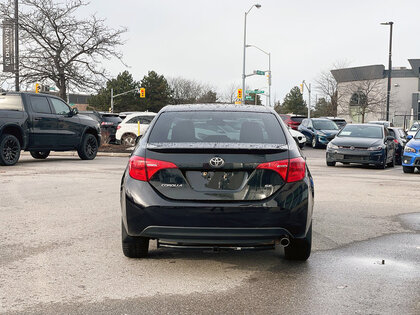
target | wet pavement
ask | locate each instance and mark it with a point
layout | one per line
(60, 249)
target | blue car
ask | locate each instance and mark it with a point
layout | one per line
(411, 157)
(318, 131)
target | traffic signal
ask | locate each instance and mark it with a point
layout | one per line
(240, 94)
(37, 87)
(301, 88)
(142, 92)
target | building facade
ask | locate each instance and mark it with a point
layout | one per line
(362, 93)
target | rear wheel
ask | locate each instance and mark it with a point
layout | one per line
(408, 169)
(129, 139)
(134, 246)
(392, 163)
(299, 248)
(89, 147)
(40, 155)
(331, 163)
(9, 150)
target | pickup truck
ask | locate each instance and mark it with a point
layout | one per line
(40, 123)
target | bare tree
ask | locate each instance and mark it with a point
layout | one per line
(363, 97)
(186, 91)
(327, 86)
(58, 47)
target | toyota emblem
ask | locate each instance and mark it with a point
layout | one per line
(216, 162)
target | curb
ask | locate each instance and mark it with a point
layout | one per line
(74, 153)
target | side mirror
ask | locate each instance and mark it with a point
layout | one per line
(74, 111)
(138, 139)
(409, 137)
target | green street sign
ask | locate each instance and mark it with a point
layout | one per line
(254, 92)
(259, 72)
(249, 98)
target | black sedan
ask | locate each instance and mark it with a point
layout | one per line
(211, 176)
(400, 141)
(362, 144)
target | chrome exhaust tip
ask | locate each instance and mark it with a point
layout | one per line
(284, 241)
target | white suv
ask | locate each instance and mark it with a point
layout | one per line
(127, 130)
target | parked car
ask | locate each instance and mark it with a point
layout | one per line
(385, 123)
(41, 123)
(128, 130)
(318, 131)
(298, 136)
(411, 157)
(340, 122)
(400, 141)
(205, 176)
(293, 121)
(413, 129)
(108, 122)
(362, 144)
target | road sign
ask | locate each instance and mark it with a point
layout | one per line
(255, 92)
(238, 102)
(249, 98)
(259, 72)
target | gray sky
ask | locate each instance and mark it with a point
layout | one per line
(203, 40)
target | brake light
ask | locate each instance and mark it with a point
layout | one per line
(143, 169)
(118, 127)
(290, 170)
(396, 141)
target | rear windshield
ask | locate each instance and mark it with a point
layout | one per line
(414, 127)
(114, 119)
(297, 119)
(324, 125)
(11, 102)
(222, 127)
(360, 131)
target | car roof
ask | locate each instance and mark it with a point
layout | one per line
(140, 114)
(216, 107)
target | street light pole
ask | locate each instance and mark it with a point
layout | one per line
(388, 91)
(16, 47)
(243, 63)
(309, 101)
(269, 71)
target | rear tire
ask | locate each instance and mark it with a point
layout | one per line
(408, 169)
(89, 147)
(331, 163)
(129, 139)
(299, 248)
(9, 150)
(134, 246)
(40, 155)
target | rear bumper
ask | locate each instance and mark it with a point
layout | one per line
(355, 156)
(146, 213)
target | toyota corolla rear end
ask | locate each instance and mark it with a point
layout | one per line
(223, 177)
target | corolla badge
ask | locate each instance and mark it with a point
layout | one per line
(216, 162)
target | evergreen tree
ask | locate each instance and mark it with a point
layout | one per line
(293, 103)
(158, 92)
(124, 82)
(323, 108)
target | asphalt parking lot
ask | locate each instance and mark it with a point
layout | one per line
(61, 250)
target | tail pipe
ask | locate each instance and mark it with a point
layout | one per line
(284, 241)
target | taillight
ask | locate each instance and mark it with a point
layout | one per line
(106, 123)
(118, 127)
(143, 169)
(290, 170)
(396, 141)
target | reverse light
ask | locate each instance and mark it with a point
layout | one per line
(290, 170)
(143, 169)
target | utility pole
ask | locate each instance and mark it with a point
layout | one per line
(112, 100)
(16, 47)
(388, 90)
(309, 92)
